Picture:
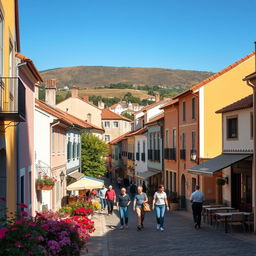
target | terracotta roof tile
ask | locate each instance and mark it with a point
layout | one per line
(170, 104)
(246, 102)
(138, 132)
(156, 118)
(153, 105)
(109, 115)
(120, 138)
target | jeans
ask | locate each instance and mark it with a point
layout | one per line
(123, 211)
(197, 211)
(160, 211)
(103, 203)
(110, 206)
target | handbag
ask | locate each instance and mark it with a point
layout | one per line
(146, 207)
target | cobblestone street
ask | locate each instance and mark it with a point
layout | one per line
(179, 238)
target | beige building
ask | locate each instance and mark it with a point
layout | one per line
(81, 108)
(114, 125)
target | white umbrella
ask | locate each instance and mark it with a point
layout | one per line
(86, 183)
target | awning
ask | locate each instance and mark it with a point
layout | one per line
(86, 183)
(147, 174)
(76, 175)
(218, 163)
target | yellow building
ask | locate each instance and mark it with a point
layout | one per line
(9, 45)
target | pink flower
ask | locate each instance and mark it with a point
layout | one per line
(26, 235)
(24, 214)
(21, 205)
(18, 244)
(3, 232)
(18, 222)
(30, 253)
(32, 224)
(45, 226)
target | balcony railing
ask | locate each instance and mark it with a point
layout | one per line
(131, 156)
(183, 154)
(143, 157)
(12, 99)
(150, 154)
(138, 156)
(170, 154)
(157, 155)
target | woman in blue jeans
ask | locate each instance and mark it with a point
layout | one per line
(123, 202)
(160, 204)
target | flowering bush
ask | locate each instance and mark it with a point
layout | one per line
(45, 180)
(44, 235)
(83, 211)
(66, 211)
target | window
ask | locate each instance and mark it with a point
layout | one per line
(78, 151)
(107, 124)
(53, 142)
(69, 149)
(150, 141)
(167, 138)
(193, 108)
(154, 140)
(29, 187)
(232, 128)
(138, 147)
(89, 117)
(158, 140)
(1, 45)
(22, 188)
(174, 139)
(144, 147)
(167, 180)
(174, 182)
(171, 187)
(183, 141)
(251, 125)
(193, 140)
(184, 111)
(107, 138)
(115, 124)
(74, 149)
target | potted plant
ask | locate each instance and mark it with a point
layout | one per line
(45, 183)
(174, 201)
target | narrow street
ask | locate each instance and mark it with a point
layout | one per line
(179, 238)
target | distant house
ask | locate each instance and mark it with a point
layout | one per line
(82, 109)
(114, 125)
(124, 107)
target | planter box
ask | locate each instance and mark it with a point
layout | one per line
(174, 206)
(44, 187)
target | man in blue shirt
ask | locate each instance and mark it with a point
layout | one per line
(197, 199)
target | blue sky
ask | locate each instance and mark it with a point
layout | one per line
(181, 34)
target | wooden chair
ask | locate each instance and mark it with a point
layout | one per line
(237, 220)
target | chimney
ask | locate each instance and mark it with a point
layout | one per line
(86, 98)
(50, 92)
(157, 97)
(101, 104)
(74, 91)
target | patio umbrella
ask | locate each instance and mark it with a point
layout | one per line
(86, 183)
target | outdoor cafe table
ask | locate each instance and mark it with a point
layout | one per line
(209, 210)
(226, 215)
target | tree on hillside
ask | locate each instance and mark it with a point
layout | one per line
(127, 115)
(93, 152)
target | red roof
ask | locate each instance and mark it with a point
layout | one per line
(138, 132)
(109, 115)
(156, 118)
(31, 66)
(120, 138)
(223, 71)
(170, 104)
(64, 117)
(153, 105)
(246, 102)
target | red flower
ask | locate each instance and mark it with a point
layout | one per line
(18, 244)
(2, 199)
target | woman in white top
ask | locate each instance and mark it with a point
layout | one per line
(160, 203)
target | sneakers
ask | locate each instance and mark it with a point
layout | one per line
(139, 228)
(162, 229)
(158, 226)
(121, 227)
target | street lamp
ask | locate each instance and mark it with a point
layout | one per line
(251, 81)
(62, 176)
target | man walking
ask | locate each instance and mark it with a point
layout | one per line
(197, 199)
(111, 199)
(133, 190)
(102, 194)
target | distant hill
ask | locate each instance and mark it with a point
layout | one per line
(97, 76)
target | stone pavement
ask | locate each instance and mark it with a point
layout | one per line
(179, 238)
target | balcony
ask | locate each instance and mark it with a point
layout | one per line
(183, 154)
(193, 155)
(170, 154)
(143, 157)
(12, 105)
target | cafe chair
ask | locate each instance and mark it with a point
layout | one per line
(237, 220)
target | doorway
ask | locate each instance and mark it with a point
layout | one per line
(236, 190)
(183, 192)
(3, 181)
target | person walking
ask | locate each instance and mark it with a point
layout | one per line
(133, 190)
(144, 188)
(160, 204)
(102, 194)
(111, 199)
(139, 199)
(197, 199)
(123, 201)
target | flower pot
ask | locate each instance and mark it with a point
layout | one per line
(174, 206)
(44, 187)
